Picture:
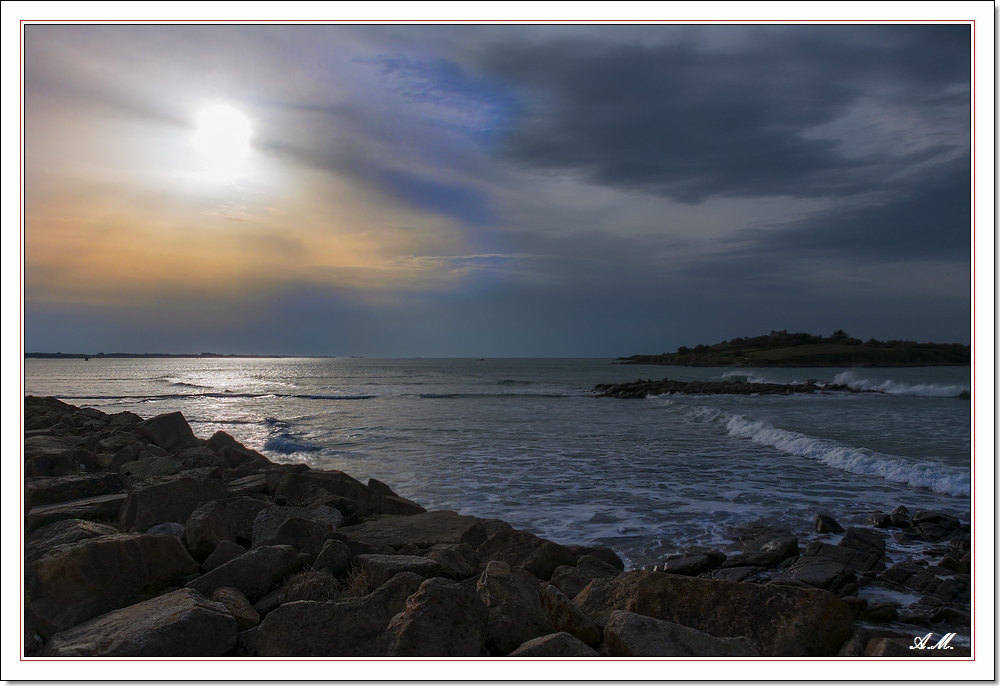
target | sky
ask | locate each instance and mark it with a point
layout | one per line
(492, 190)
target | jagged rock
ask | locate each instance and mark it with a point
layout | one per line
(295, 485)
(628, 634)
(152, 466)
(442, 619)
(765, 549)
(247, 486)
(303, 534)
(348, 628)
(49, 490)
(523, 549)
(819, 572)
(825, 524)
(334, 557)
(238, 606)
(424, 530)
(604, 595)
(381, 568)
(458, 560)
(269, 520)
(167, 499)
(602, 553)
(879, 520)
(935, 526)
(573, 579)
(253, 573)
(177, 624)
(691, 564)
(559, 644)
(855, 560)
(395, 505)
(101, 508)
(223, 553)
(207, 527)
(169, 431)
(62, 532)
(567, 617)
(79, 581)
(513, 601)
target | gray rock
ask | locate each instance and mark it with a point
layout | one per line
(424, 530)
(523, 549)
(178, 624)
(855, 560)
(567, 617)
(573, 579)
(559, 644)
(818, 572)
(168, 528)
(81, 580)
(513, 601)
(253, 573)
(765, 550)
(381, 568)
(691, 564)
(268, 520)
(442, 619)
(169, 431)
(348, 628)
(628, 634)
(207, 527)
(167, 499)
(247, 485)
(223, 553)
(865, 541)
(238, 606)
(825, 524)
(458, 560)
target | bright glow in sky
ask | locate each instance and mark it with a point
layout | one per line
(492, 190)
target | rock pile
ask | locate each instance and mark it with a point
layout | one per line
(641, 388)
(144, 540)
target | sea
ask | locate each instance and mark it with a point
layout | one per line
(527, 441)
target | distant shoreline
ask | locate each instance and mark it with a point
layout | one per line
(102, 356)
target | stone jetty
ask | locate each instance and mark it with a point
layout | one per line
(142, 539)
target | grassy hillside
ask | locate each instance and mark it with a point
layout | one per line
(783, 349)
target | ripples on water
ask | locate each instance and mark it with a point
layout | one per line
(523, 440)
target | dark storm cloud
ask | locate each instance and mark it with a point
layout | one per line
(688, 122)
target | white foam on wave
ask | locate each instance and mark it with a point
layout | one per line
(747, 377)
(933, 475)
(891, 387)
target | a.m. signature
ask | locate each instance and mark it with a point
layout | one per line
(920, 642)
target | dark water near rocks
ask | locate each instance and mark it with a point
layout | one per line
(525, 441)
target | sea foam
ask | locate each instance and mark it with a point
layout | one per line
(933, 475)
(891, 387)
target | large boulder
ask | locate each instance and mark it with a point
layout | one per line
(334, 557)
(178, 624)
(100, 508)
(458, 560)
(253, 573)
(628, 634)
(296, 485)
(567, 617)
(49, 490)
(152, 466)
(292, 526)
(381, 568)
(423, 530)
(442, 619)
(348, 628)
(62, 532)
(604, 595)
(168, 431)
(167, 499)
(513, 602)
(79, 581)
(238, 606)
(523, 549)
(207, 527)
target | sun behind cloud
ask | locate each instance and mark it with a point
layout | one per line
(222, 137)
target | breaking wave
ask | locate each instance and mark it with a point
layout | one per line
(896, 388)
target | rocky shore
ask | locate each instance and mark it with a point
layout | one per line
(642, 388)
(142, 539)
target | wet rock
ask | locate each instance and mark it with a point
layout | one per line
(50, 490)
(602, 553)
(169, 431)
(348, 628)
(442, 619)
(253, 573)
(167, 499)
(178, 624)
(523, 549)
(628, 634)
(559, 644)
(880, 520)
(381, 568)
(223, 553)
(935, 526)
(691, 564)
(881, 612)
(79, 581)
(238, 606)
(764, 548)
(825, 524)
(424, 530)
(513, 601)
(101, 508)
(865, 541)
(567, 617)
(854, 560)
(820, 573)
